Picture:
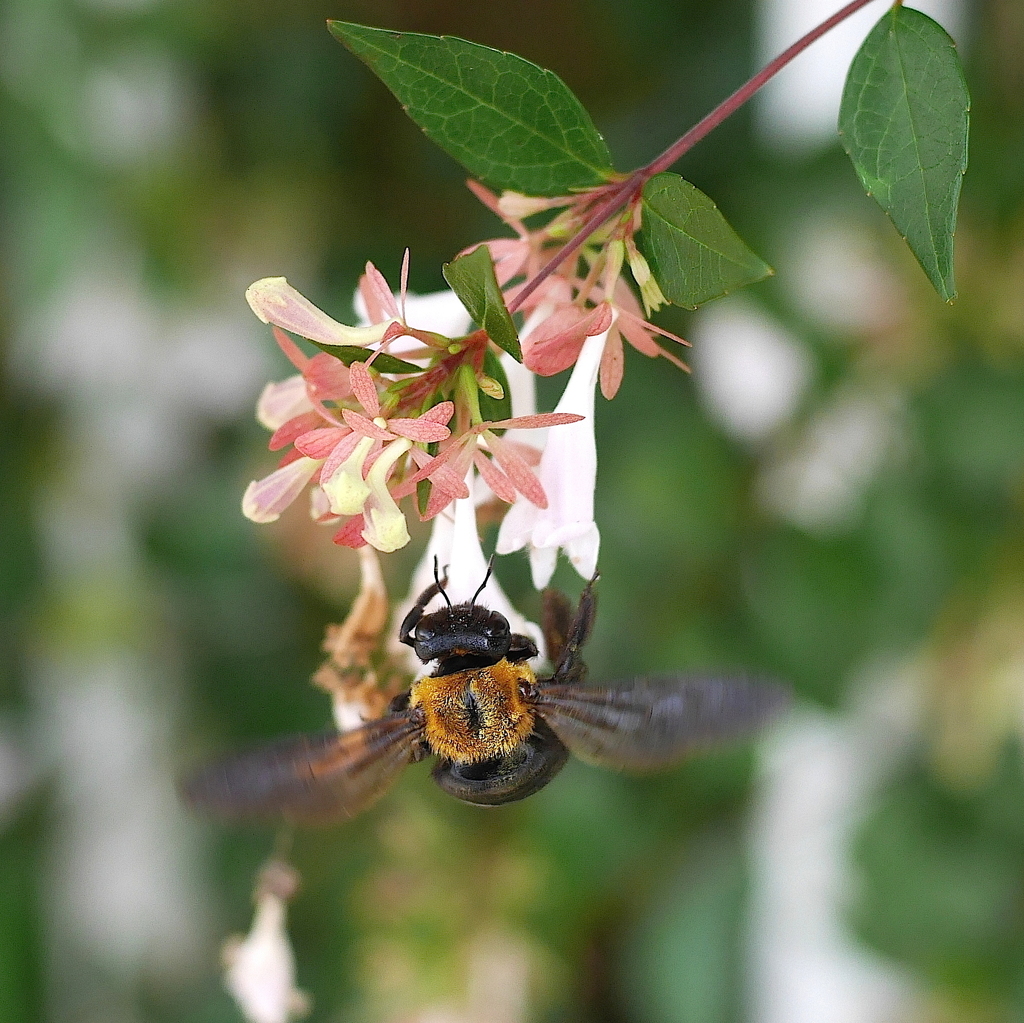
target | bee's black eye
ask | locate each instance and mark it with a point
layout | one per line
(424, 633)
(496, 628)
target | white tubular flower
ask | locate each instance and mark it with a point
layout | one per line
(568, 473)
(260, 968)
(455, 543)
(386, 528)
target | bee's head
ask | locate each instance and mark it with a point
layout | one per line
(463, 630)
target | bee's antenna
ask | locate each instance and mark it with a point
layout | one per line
(490, 566)
(440, 585)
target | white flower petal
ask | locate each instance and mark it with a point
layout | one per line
(542, 565)
(568, 473)
(261, 969)
(440, 311)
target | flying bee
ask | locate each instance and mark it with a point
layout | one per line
(498, 732)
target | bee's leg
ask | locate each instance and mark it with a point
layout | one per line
(412, 619)
(522, 648)
(570, 666)
(556, 620)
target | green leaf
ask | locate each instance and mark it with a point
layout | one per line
(510, 123)
(383, 363)
(903, 122)
(472, 278)
(694, 254)
(494, 410)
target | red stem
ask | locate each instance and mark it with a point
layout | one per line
(617, 195)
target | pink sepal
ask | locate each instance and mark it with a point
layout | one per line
(321, 442)
(555, 344)
(287, 432)
(296, 356)
(351, 533)
(364, 388)
(440, 413)
(327, 377)
(612, 364)
(376, 292)
(536, 422)
(289, 457)
(364, 426)
(495, 478)
(517, 470)
(421, 430)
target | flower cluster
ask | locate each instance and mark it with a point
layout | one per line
(392, 408)
(364, 439)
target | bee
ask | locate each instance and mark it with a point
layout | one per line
(498, 732)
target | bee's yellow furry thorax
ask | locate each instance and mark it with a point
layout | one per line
(476, 714)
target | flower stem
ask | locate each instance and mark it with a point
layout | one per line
(618, 194)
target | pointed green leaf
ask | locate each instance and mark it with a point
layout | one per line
(383, 363)
(510, 123)
(694, 254)
(494, 410)
(903, 121)
(472, 278)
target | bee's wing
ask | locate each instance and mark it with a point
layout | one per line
(653, 722)
(308, 778)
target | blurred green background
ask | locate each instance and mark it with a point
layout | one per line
(835, 497)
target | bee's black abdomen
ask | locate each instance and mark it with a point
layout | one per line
(509, 778)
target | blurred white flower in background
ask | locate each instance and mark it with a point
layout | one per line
(260, 968)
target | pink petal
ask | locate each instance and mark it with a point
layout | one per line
(518, 471)
(351, 533)
(495, 478)
(364, 389)
(420, 430)
(327, 377)
(364, 426)
(287, 432)
(265, 499)
(320, 443)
